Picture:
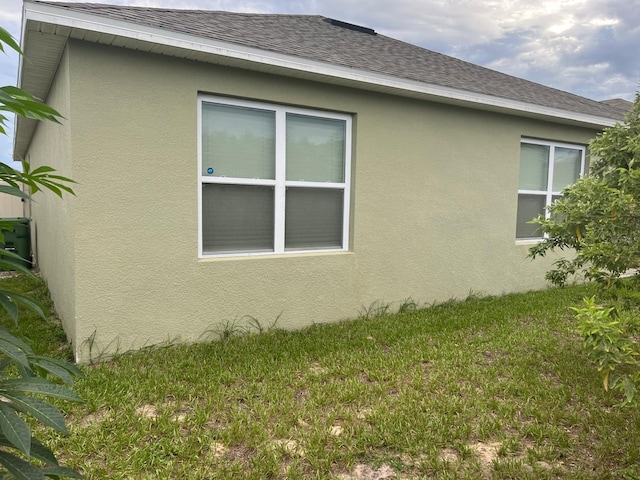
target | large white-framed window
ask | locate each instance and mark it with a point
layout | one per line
(272, 178)
(546, 168)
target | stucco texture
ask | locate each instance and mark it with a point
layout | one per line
(434, 196)
(53, 228)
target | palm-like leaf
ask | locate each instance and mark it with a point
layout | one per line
(19, 396)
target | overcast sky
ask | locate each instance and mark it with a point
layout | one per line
(587, 47)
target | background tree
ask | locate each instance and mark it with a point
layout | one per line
(598, 217)
(598, 220)
(27, 378)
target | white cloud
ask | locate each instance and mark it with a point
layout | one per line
(574, 45)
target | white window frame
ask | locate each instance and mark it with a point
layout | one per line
(549, 192)
(280, 183)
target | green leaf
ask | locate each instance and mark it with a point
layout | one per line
(9, 306)
(38, 386)
(15, 429)
(8, 254)
(13, 352)
(54, 370)
(38, 450)
(20, 469)
(65, 371)
(5, 335)
(42, 169)
(16, 192)
(26, 301)
(42, 453)
(40, 410)
(12, 261)
(36, 180)
(21, 102)
(60, 472)
(5, 37)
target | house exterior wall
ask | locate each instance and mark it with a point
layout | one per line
(10, 205)
(52, 225)
(434, 196)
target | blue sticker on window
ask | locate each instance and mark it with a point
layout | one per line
(210, 171)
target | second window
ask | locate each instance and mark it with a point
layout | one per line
(546, 168)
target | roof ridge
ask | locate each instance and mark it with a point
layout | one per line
(164, 9)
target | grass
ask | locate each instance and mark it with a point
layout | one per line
(45, 337)
(485, 388)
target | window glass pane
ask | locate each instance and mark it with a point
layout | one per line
(313, 218)
(529, 207)
(557, 216)
(315, 149)
(566, 167)
(534, 166)
(237, 218)
(238, 142)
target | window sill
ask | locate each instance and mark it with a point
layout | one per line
(528, 241)
(271, 255)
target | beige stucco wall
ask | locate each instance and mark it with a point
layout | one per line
(434, 197)
(10, 205)
(52, 226)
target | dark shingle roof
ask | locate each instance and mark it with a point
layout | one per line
(314, 37)
(622, 105)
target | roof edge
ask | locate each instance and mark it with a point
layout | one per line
(52, 14)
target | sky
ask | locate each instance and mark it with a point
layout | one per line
(587, 47)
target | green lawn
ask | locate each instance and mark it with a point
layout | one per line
(486, 388)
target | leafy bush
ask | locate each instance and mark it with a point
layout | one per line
(25, 378)
(598, 218)
(609, 343)
(21, 393)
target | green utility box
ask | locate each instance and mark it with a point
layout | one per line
(18, 240)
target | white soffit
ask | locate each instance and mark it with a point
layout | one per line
(46, 29)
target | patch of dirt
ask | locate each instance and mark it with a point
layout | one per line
(151, 411)
(302, 395)
(302, 424)
(147, 411)
(94, 459)
(239, 453)
(366, 472)
(181, 415)
(316, 369)
(448, 455)
(363, 414)
(494, 355)
(291, 447)
(216, 423)
(93, 418)
(552, 378)
(486, 453)
(218, 449)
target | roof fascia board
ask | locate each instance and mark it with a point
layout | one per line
(23, 35)
(79, 20)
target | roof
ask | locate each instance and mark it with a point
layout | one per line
(304, 46)
(620, 104)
